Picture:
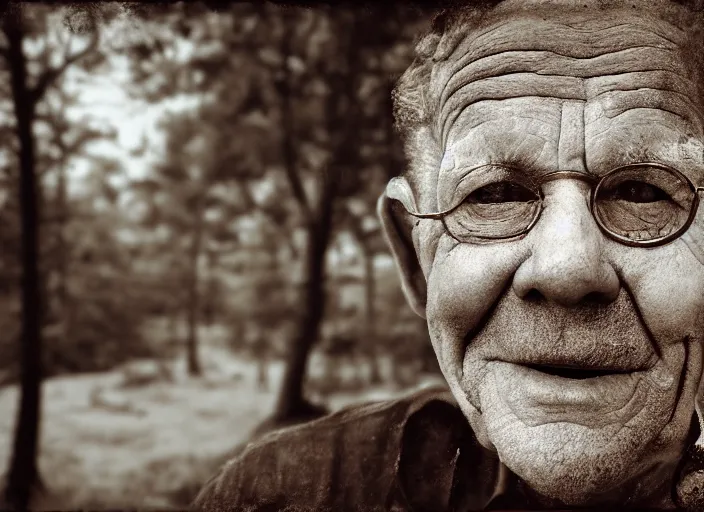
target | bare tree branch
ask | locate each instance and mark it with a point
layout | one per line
(53, 73)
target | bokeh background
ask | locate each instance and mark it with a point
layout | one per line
(189, 240)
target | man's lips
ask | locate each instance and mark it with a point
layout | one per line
(544, 393)
(577, 368)
(578, 372)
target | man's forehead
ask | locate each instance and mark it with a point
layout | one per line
(617, 60)
(499, 82)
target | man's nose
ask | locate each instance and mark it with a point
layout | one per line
(567, 264)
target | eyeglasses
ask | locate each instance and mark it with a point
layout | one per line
(641, 204)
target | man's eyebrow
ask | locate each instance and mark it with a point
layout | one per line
(525, 155)
(522, 164)
(640, 153)
(672, 154)
(664, 153)
(617, 103)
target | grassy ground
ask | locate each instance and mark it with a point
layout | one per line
(151, 446)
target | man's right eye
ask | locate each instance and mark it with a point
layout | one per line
(500, 209)
(501, 192)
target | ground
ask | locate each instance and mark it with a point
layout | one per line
(103, 445)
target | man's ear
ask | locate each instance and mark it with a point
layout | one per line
(393, 207)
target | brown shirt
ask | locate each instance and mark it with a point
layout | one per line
(416, 453)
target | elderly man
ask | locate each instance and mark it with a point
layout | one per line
(548, 229)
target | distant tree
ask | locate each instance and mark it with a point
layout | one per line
(361, 222)
(27, 91)
(68, 263)
(195, 193)
(202, 180)
(64, 142)
(73, 267)
(318, 82)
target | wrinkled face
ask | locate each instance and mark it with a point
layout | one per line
(575, 357)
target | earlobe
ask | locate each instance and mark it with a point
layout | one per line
(397, 225)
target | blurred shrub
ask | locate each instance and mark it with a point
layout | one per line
(100, 338)
(143, 373)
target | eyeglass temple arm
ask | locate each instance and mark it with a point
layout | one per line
(433, 216)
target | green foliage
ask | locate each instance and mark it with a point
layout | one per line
(97, 325)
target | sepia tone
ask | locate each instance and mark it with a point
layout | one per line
(409, 257)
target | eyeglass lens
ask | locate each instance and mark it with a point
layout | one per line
(636, 203)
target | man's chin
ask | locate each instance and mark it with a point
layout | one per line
(575, 441)
(565, 462)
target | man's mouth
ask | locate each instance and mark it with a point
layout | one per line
(577, 373)
(552, 392)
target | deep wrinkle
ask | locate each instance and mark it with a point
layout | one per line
(447, 110)
(683, 376)
(554, 64)
(635, 395)
(460, 73)
(667, 81)
(571, 147)
(520, 60)
(470, 59)
(486, 28)
(641, 319)
(623, 101)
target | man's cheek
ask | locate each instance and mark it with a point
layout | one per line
(466, 280)
(667, 286)
(426, 237)
(693, 238)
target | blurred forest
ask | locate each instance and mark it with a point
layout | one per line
(191, 252)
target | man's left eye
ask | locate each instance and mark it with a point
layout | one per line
(501, 192)
(638, 192)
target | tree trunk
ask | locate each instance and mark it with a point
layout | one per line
(194, 367)
(23, 475)
(291, 406)
(291, 402)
